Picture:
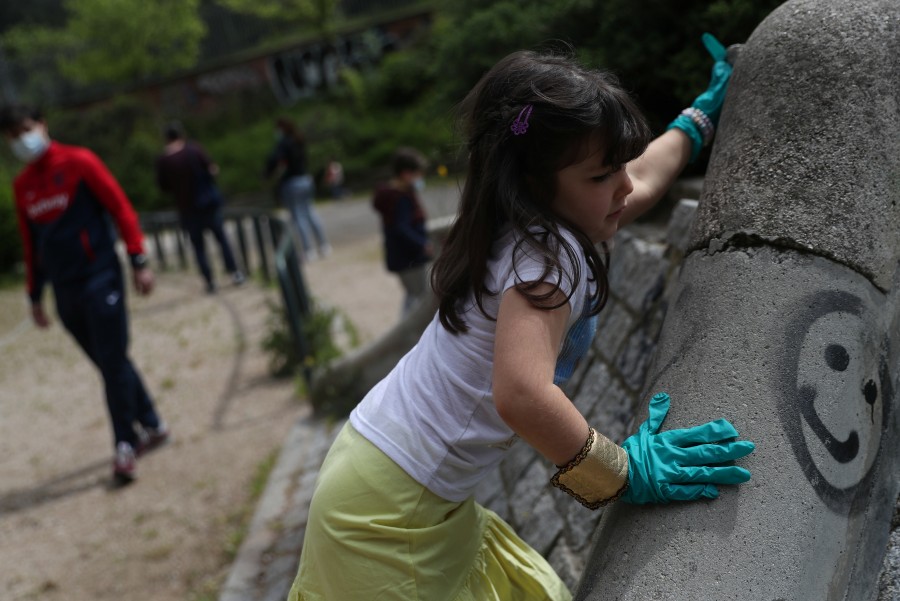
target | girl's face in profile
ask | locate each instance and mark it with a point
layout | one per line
(592, 196)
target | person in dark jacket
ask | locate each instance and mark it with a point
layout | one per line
(296, 188)
(64, 198)
(186, 173)
(407, 249)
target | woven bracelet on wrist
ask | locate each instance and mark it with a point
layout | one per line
(703, 123)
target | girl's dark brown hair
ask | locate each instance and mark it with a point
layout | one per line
(512, 178)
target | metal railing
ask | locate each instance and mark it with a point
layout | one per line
(269, 250)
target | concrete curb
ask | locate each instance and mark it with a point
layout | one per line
(267, 559)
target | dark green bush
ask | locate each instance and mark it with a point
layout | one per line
(652, 45)
(328, 335)
(10, 241)
(401, 78)
(472, 35)
(241, 154)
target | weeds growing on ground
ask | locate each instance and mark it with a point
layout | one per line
(236, 523)
(328, 334)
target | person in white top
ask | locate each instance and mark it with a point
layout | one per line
(559, 158)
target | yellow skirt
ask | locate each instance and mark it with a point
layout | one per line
(375, 534)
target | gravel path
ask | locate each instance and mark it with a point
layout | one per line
(66, 534)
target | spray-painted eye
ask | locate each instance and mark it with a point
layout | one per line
(870, 393)
(837, 357)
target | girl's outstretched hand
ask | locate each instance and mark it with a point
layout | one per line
(699, 121)
(681, 465)
(710, 101)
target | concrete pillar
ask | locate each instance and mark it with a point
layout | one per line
(786, 321)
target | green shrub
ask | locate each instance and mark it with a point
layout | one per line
(401, 78)
(10, 241)
(328, 334)
(284, 359)
(241, 154)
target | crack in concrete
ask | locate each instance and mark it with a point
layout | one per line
(742, 241)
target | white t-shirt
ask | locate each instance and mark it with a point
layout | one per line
(434, 413)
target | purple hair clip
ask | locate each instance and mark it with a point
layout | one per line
(520, 125)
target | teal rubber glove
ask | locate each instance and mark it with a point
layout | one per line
(681, 465)
(710, 101)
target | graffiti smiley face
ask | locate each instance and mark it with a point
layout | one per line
(837, 395)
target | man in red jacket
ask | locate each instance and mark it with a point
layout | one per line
(64, 199)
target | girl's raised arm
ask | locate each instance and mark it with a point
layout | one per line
(655, 171)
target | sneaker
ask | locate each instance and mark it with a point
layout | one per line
(124, 464)
(325, 250)
(153, 438)
(210, 287)
(311, 255)
(238, 278)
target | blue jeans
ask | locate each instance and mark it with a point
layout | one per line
(197, 222)
(297, 195)
(93, 311)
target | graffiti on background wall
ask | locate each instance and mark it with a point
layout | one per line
(300, 72)
(838, 396)
(229, 80)
(293, 74)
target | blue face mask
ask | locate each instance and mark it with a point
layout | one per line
(418, 184)
(30, 145)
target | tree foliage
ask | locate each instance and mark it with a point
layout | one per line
(652, 45)
(114, 40)
(472, 35)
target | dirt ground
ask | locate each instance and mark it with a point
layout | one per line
(65, 533)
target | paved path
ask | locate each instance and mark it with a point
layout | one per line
(354, 218)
